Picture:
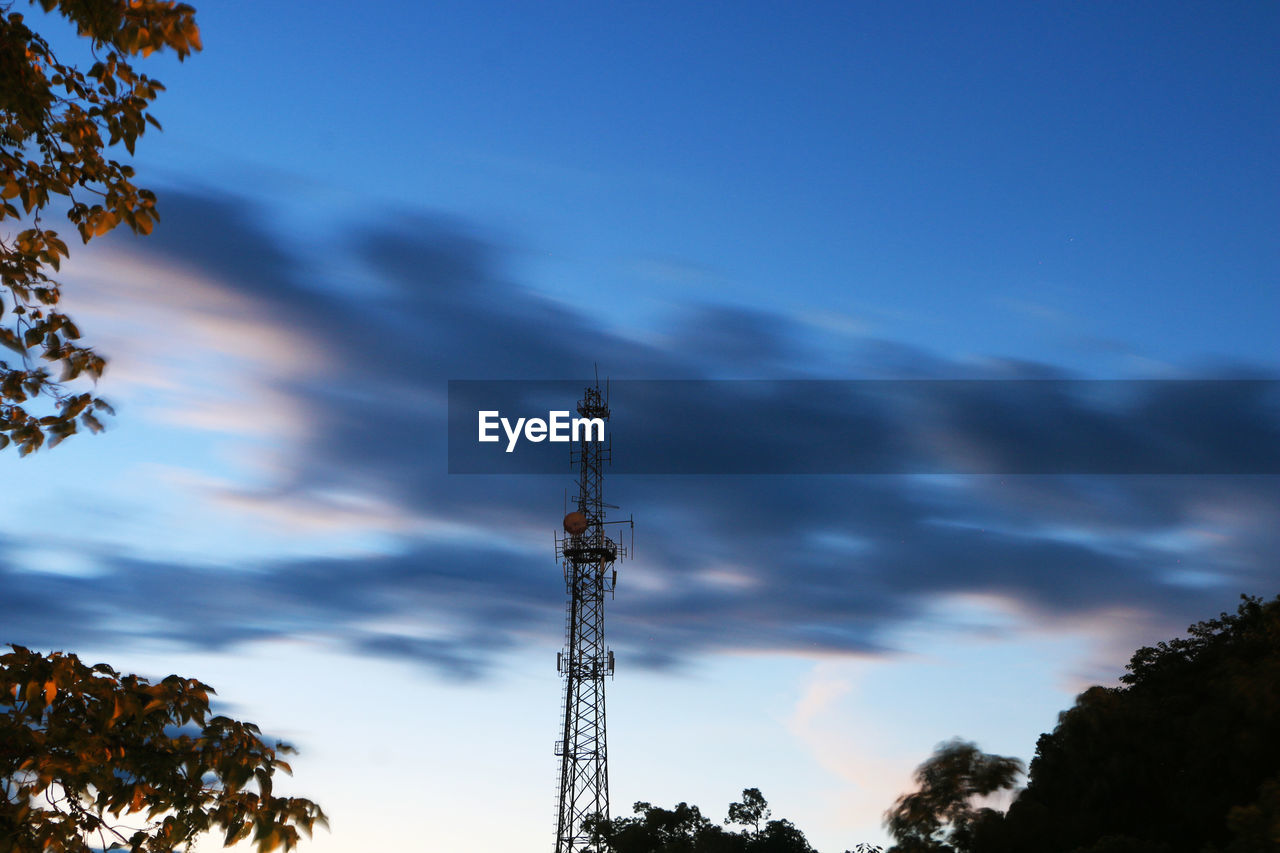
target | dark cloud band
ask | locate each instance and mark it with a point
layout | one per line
(832, 564)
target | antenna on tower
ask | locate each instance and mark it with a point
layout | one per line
(588, 557)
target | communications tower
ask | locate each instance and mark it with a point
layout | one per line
(588, 556)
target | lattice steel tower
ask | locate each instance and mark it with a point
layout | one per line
(588, 557)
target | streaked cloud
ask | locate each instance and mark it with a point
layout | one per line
(332, 393)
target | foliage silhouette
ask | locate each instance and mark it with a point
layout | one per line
(56, 120)
(942, 814)
(1183, 757)
(684, 829)
(93, 760)
(750, 811)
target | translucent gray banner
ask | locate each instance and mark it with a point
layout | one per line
(1223, 426)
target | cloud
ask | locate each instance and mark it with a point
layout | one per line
(343, 345)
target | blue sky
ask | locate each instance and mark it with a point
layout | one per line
(362, 204)
(1070, 158)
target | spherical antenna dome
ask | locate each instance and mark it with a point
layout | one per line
(575, 524)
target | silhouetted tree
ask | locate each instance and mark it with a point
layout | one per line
(93, 760)
(942, 814)
(750, 811)
(1183, 758)
(779, 836)
(55, 122)
(683, 829)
